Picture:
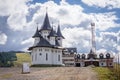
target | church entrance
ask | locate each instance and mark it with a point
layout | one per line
(77, 64)
(95, 63)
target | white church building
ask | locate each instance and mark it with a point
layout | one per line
(47, 47)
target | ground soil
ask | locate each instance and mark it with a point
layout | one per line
(49, 73)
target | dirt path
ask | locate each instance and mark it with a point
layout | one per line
(52, 73)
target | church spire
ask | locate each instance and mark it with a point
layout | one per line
(36, 33)
(59, 34)
(46, 23)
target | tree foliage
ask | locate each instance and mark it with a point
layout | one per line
(7, 58)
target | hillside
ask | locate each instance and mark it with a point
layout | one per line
(22, 57)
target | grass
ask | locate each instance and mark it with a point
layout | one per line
(6, 75)
(104, 73)
(22, 57)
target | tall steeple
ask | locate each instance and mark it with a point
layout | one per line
(59, 34)
(46, 23)
(52, 33)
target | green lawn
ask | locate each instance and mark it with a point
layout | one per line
(22, 57)
(104, 73)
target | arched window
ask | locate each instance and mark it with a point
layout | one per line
(58, 57)
(83, 56)
(78, 56)
(101, 56)
(107, 55)
(46, 56)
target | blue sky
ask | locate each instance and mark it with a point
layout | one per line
(18, 23)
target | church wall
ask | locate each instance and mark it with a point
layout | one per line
(45, 34)
(60, 41)
(57, 53)
(39, 56)
(52, 40)
(37, 39)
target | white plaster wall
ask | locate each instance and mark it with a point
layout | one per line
(37, 39)
(52, 40)
(104, 64)
(60, 41)
(55, 57)
(41, 59)
(45, 33)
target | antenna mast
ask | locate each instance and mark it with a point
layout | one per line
(93, 37)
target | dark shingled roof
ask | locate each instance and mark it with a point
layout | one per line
(71, 50)
(52, 33)
(36, 33)
(59, 32)
(46, 24)
(43, 43)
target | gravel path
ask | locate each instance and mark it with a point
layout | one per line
(52, 73)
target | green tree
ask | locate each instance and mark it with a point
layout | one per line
(7, 58)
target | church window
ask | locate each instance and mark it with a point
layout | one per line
(46, 49)
(35, 57)
(58, 38)
(46, 56)
(101, 56)
(40, 54)
(83, 56)
(107, 55)
(56, 51)
(52, 51)
(78, 56)
(40, 49)
(58, 57)
(110, 64)
(102, 64)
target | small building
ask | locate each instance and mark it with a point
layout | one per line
(68, 56)
(99, 59)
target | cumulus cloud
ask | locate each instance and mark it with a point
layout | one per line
(8, 7)
(104, 21)
(29, 41)
(16, 10)
(110, 4)
(77, 37)
(3, 38)
(75, 23)
(107, 40)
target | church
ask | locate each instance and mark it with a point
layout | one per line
(47, 48)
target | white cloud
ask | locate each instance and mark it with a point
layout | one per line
(17, 21)
(76, 37)
(29, 41)
(16, 10)
(104, 21)
(103, 3)
(8, 7)
(3, 38)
